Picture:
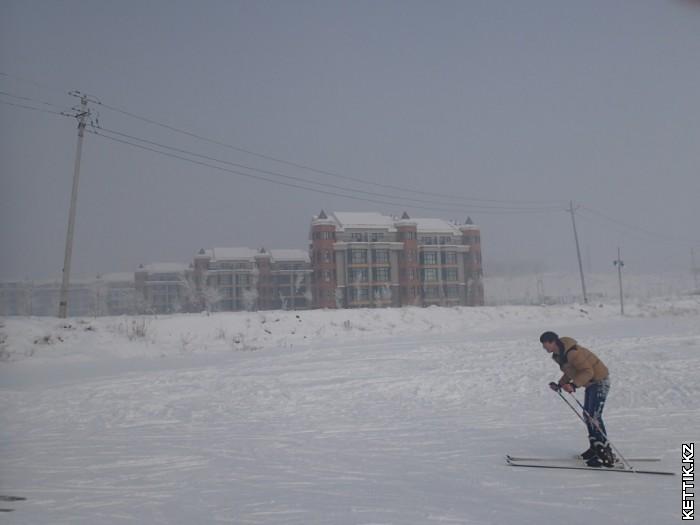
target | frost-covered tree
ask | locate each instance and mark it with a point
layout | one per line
(250, 299)
(338, 298)
(210, 296)
(283, 300)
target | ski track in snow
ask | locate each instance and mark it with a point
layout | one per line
(340, 428)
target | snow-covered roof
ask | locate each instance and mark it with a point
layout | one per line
(232, 253)
(117, 277)
(290, 255)
(363, 220)
(164, 267)
(372, 220)
(436, 226)
(248, 254)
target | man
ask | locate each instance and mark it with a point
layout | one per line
(583, 369)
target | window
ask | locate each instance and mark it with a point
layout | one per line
(449, 258)
(381, 256)
(452, 291)
(430, 274)
(429, 258)
(381, 292)
(358, 275)
(432, 292)
(323, 235)
(243, 279)
(449, 274)
(326, 275)
(359, 294)
(376, 237)
(358, 256)
(289, 266)
(407, 236)
(381, 274)
(356, 237)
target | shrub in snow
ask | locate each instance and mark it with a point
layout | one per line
(4, 351)
(137, 329)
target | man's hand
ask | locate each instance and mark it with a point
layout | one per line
(568, 387)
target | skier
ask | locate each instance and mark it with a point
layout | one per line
(582, 368)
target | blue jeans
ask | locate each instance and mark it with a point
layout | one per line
(594, 403)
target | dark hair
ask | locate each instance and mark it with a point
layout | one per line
(548, 337)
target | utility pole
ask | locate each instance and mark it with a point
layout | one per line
(694, 269)
(578, 251)
(619, 263)
(82, 113)
(540, 289)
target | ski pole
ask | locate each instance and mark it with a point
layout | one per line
(597, 426)
(571, 407)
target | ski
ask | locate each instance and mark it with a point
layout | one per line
(620, 469)
(12, 498)
(572, 458)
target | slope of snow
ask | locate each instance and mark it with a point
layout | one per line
(349, 417)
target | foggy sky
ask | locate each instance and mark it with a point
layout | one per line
(542, 101)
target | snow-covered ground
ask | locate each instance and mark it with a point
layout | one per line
(398, 416)
(564, 288)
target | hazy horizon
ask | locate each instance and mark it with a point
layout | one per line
(507, 112)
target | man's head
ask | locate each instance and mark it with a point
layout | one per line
(550, 342)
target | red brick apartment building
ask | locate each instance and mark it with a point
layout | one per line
(374, 260)
(232, 279)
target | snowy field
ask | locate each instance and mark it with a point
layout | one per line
(396, 416)
(564, 288)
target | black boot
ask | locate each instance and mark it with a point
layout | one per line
(594, 462)
(604, 454)
(588, 454)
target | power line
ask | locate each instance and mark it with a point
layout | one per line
(273, 181)
(658, 236)
(34, 82)
(333, 186)
(401, 200)
(30, 99)
(32, 108)
(309, 168)
(197, 136)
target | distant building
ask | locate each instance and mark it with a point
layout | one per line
(163, 288)
(374, 260)
(354, 260)
(233, 279)
(15, 298)
(109, 294)
(116, 294)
